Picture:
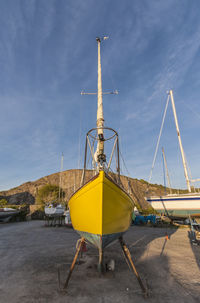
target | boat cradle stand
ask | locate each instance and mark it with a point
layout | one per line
(127, 255)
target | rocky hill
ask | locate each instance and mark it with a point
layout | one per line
(27, 192)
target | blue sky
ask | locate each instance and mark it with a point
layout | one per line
(48, 54)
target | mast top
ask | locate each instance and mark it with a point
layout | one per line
(99, 39)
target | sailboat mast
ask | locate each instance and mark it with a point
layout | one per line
(180, 142)
(60, 181)
(165, 162)
(100, 120)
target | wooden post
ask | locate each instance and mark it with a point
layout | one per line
(132, 266)
(74, 262)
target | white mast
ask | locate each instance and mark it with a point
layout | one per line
(100, 119)
(180, 142)
(168, 179)
(60, 181)
(99, 155)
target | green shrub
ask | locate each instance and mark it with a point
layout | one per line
(3, 202)
(47, 194)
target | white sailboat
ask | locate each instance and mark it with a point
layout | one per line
(101, 209)
(68, 221)
(55, 209)
(178, 205)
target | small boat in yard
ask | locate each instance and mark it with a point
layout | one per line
(68, 221)
(101, 209)
(54, 210)
(6, 213)
(178, 206)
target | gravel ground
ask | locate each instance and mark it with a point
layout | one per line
(31, 254)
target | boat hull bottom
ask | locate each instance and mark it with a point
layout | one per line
(100, 241)
(180, 213)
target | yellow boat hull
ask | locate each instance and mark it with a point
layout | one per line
(101, 210)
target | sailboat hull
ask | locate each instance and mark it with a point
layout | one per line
(100, 241)
(7, 213)
(54, 211)
(101, 210)
(182, 206)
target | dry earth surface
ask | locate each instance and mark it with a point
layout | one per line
(31, 254)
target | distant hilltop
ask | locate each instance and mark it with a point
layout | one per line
(27, 192)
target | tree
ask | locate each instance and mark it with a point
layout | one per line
(3, 202)
(47, 194)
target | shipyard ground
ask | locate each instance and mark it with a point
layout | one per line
(30, 255)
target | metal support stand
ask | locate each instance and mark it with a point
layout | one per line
(80, 245)
(194, 234)
(100, 264)
(131, 264)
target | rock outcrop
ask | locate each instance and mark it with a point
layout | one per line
(71, 179)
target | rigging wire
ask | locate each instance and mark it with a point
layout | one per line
(164, 174)
(193, 111)
(124, 164)
(79, 143)
(158, 142)
(190, 173)
(197, 116)
(128, 173)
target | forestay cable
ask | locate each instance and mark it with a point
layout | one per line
(161, 128)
